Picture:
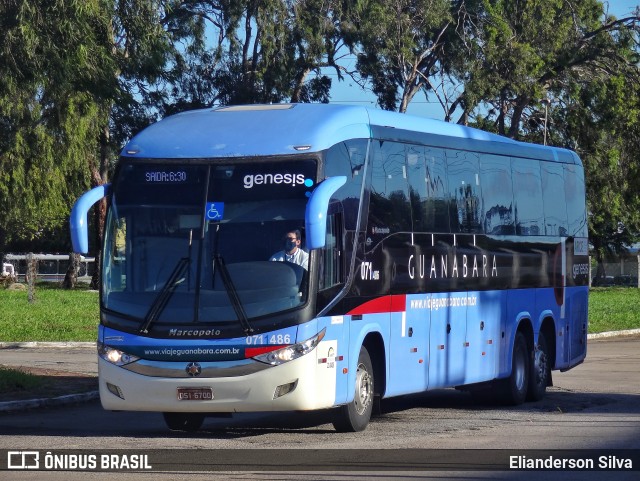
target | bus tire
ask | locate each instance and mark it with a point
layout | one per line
(540, 371)
(514, 388)
(189, 422)
(355, 415)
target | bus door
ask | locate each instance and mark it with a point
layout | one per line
(578, 329)
(408, 319)
(484, 315)
(409, 346)
(576, 280)
(447, 337)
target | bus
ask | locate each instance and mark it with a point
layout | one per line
(437, 256)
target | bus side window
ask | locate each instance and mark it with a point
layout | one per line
(348, 159)
(463, 172)
(390, 209)
(555, 212)
(497, 195)
(575, 198)
(427, 173)
(118, 266)
(331, 268)
(527, 193)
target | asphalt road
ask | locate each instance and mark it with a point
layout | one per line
(594, 406)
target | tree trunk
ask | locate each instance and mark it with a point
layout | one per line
(514, 128)
(100, 177)
(71, 276)
(31, 274)
(299, 83)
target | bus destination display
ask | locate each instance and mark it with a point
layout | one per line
(165, 176)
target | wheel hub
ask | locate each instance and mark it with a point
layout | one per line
(364, 389)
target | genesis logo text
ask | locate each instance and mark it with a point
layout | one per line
(252, 180)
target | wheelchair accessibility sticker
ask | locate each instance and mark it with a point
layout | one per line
(214, 211)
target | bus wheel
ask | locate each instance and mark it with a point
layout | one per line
(354, 416)
(540, 371)
(184, 421)
(514, 388)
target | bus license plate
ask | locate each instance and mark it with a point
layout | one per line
(195, 394)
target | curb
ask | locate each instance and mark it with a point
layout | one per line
(67, 399)
(608, 335)
(47, 345)
(23, 405)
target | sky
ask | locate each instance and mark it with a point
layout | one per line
(347, 92)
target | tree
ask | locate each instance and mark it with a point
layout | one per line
(262, 51)
(603, 123)
(400, 46)
(526, 51)
(69, 65)
(49, 119)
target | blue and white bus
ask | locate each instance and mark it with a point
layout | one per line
(438, 256)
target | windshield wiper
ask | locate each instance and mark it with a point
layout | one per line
(236, 303)
(165, 294)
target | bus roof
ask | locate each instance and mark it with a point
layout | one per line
(280, 129)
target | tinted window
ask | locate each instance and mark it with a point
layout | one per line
(464, 188)
(330, 255)
(575, 195)
(348, 158)
(390, 206)
(527, 192)
(427, 171)
(168, 226)
(555, 209)
(416, 173)
(497, 195)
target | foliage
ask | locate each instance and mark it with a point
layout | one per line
(56, 315)
(603, 123)
(81, 77)
(613, 309)
(533, 50)
(16, 380)
(49, 119)
(263, 51)
(401, 45)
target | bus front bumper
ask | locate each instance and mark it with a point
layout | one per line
(307, 384)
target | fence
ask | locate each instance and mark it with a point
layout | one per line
(622, 272)
(50, 267)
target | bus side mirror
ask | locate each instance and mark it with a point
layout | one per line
(78, 219)
(316, 214)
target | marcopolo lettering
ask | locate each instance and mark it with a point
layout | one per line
(193, 332)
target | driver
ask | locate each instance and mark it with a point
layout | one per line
(292, 251)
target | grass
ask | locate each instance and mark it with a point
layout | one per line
(12, 380)
(61, 315)
(56, 315)
(613, 309)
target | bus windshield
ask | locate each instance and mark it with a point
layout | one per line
(194, 243)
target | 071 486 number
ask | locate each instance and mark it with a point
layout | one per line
(262, 339)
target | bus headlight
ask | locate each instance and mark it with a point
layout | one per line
(289, 353)
(115, 356)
